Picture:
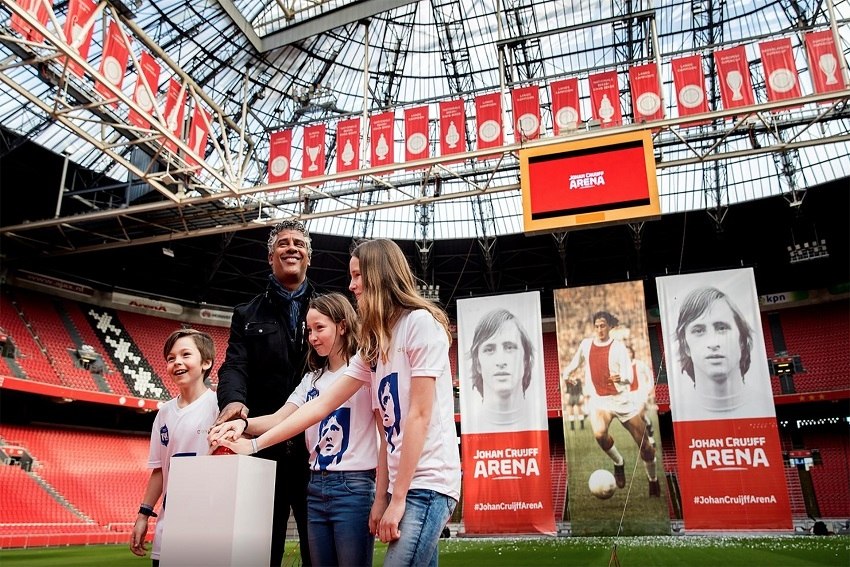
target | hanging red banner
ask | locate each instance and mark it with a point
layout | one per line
(313, 160)
(199, 133)
(175, 111)
(646, 93)
(504, 438)
(605, 98)
(348, 145)
(526, 112)
(731, 474)
(824, 62)
(80, 12)
(416, 133)
(565, 106)
(114, 61)
(689, 85)
(488, 121)
(280, 152)
(381, 138)
(780, 71)
(507, 483)
(733, 70)
(144, 93)
(452, 127)
(38, 10)
(731, 469)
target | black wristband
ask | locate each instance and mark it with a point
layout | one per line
(147, 511)
(245, 419)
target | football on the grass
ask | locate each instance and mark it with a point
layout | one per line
(602, 484)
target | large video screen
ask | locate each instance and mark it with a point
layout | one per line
(596, 181)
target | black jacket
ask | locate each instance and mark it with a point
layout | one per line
(265, 361)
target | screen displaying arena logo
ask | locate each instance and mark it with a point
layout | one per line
(589, 182)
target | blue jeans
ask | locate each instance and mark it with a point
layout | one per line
(338, 506)
(426, 513)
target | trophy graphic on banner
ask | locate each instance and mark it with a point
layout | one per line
(452, 135)
(347, 153)
(828, 65)
(735, 82)
(313, 153)
(171, 119)
(606, 110)
(199, 139)
(382, 149)
(76, 35)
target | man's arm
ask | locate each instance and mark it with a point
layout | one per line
(232, 388)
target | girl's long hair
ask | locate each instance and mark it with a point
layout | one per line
(338, 309)
(388, 289)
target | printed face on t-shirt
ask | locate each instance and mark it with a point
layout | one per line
(330, 437)
(387, 405)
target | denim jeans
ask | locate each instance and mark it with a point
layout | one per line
(338, 506)
(425, 515)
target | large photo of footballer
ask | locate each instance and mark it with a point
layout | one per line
(614, 456)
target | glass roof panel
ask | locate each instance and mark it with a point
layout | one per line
(422, 53)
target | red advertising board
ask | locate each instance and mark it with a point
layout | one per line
(348, 145)
(732, 475)
(313, 159)
(733, 70)
(605, 98)
(452, 127)
(113, 63)
(416, 141)
(731, 469)
(38, 10)
(280, 158)
(175, 111)
(488, 120)
(199, 133)
(646, 92)
(382, 139)
(144, 93)
(526, 112)
(689, 85)
(78, 30)
(565, 105)
(507, 485)
(780, 71)
(824, 63)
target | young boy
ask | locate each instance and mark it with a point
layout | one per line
(180, 428)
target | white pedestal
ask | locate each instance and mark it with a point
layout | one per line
(219, 512)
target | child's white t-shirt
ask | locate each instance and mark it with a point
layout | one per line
(346, 440)
(179, 432)
(419, 348)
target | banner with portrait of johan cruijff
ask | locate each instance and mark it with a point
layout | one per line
(504, 430)
(607, 380)
(731, 471)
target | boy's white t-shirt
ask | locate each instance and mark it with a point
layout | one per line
(345, 440)
(419, 348)
(179, 432)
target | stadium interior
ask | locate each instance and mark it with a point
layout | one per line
(95, 247)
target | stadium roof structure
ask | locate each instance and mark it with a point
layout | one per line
(260, 67)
